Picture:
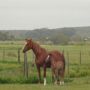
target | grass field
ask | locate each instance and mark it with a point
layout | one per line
(41, 87)
(12, 76)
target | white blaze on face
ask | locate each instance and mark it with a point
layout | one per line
(24, 45)
(44, 81)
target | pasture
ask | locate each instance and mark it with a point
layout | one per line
(41, 87)
(77, 76)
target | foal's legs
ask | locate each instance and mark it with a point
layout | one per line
(62, 77)
(56, 76)
(53, 75)
(44, 75)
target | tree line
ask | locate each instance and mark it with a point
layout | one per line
(6, 36)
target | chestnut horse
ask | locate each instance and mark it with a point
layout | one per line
(46, 59)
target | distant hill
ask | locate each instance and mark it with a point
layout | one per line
(58, 34)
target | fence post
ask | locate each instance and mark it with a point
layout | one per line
(25, 66)
(3, 54)
(63, 51)
(33, 59)
(68, 62)
(19, 55)
(80, 57)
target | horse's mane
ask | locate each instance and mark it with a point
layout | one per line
(37, 47)
(36, 44)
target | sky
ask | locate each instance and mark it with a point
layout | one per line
(32, 14)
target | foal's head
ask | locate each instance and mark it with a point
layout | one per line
(28, 45)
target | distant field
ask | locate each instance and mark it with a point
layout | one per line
(77, 78)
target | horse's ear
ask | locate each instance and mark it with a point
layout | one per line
(26, 40)
(30, 39)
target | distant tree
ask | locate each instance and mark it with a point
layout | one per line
(60, 38)
(76, 38)
(5, 36)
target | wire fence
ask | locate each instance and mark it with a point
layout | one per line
(72, 57)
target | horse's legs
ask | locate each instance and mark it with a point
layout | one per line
(44, 75)
(39, 73)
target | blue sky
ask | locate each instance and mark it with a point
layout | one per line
(31, 14)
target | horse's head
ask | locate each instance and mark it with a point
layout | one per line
(28, 45)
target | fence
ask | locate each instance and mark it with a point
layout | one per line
(12, 55)
(72, 57)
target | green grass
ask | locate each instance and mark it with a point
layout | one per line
(12, 76)
(13, 73)
(41, 87)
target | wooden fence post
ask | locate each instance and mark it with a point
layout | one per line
(25, 66)
(3, 54)
(68, 62)
(80, 58)
(63, 51)
(19, 55)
